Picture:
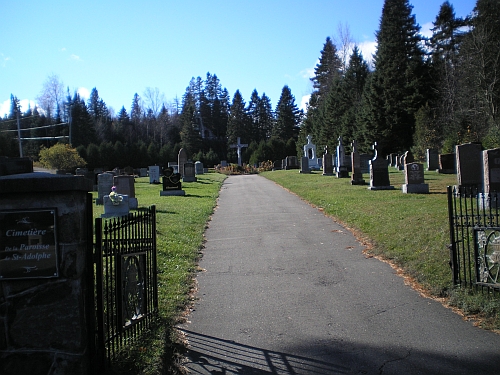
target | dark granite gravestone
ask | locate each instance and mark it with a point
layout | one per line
(469, 164)
(189, 174)
(447, 164)
(327, 163)
(432, 157)
(414, 179)
(181, 160)
(304, 165)
(171, 183)
(356, 176)
(125, 185)
(104, 184)
(379, 172)
(291, 163)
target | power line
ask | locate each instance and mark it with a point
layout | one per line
(43, 138)
(38, 127)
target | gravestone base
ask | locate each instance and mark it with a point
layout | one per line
(415, 188)
(358, 182)
(381, 187)
(485, 202)
(305, 171)
(111, 210)
(189, 179)
(166, 193)
(327, 174)
(446, 171)
(133, 203)
(342, 174)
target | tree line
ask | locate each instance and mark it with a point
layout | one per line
(206, 123)
(420, 93)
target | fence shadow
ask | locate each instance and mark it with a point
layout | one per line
(211, 355)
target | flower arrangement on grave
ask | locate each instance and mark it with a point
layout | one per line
(114, 197)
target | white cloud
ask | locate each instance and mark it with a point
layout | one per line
(368, 49)
(4, 108)
(304, 102)
(426, 29)
(25, 104)
(83, 92)
(75, 58)
(5, 60)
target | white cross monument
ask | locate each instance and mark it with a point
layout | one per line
(239, 146)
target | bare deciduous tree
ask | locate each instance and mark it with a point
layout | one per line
(51, 95)
(344, 43)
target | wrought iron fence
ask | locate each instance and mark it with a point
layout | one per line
(474, 220)
(125, 280)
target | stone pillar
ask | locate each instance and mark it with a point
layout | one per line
(46, 274)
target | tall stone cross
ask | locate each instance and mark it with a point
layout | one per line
(239, 146)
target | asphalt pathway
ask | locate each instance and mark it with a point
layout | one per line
(286, 290)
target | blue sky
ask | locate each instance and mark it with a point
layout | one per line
(123, 47)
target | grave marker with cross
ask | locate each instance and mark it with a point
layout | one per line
(239, 146)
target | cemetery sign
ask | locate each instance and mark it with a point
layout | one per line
(28, 244)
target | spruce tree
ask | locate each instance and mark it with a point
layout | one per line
(480, 75)
(396, 91)
(288, 116)
(238, 124)
(438, 117)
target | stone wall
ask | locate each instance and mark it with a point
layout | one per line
(45, 322)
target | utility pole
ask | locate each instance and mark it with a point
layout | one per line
(19, 132)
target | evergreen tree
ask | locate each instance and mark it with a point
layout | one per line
(190, 134)
(445, 45)
(351, 93)
(135, 117)
(288, 116)
(327, 70)
(266, 117)
(254, 117)
(82, 127)
(239, 122)
(396, 89)
(480, 75)
(99, 114)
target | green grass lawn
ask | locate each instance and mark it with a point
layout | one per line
(410, 230)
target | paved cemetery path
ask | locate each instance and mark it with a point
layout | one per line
(288, 291)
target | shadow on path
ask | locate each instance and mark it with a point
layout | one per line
(211, 355)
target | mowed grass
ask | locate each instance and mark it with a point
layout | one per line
(411, 231)
(181, 223)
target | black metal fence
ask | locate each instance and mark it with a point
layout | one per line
(474, 237)
(125, 281)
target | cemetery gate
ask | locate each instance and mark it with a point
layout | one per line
(126, 292)
(474, 220)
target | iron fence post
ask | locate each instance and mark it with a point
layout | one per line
(453, 245)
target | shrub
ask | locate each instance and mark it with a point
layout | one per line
(61, 157)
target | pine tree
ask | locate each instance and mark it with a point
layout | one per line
(397, 89)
